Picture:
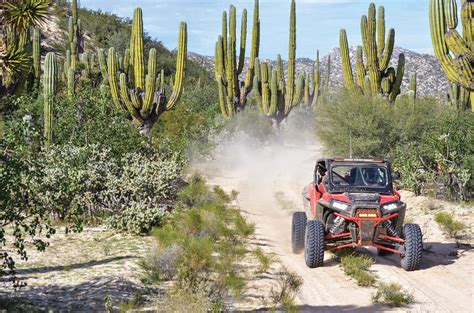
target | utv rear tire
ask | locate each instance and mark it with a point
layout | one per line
(413, 254)
(298, 227)
(382, 252)
(314, 244)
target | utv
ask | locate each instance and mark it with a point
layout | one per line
(352, 203)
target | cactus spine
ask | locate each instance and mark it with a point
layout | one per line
(276, 98)
(448, 42)
(141, 94)
(233, 91)
(50, 82)
(378, 51)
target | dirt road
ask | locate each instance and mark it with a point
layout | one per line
(270, 181)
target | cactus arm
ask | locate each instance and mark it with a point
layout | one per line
(381, 32)
(103, 66)
(298, 96)
(306, 93)
(36, 55)
(346, 61)
(328, 77)
(467, 18)
(180, 66)
(137, 48)
(150, 82)
(71, 82)
(249, 76)
(222, 97)
(243, 42)
(273, 94)
(465, 72)
(265, 88)
(387, 54)
(112, 75)
(413, 85)
(438, 32)
(457, 44)
(360, 68)
(50, 82)
(224, 33)
(290, 83)
(399, 77)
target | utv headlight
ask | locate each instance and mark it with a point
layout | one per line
(391, 206)
(340, 205)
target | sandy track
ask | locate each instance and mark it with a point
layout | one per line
(444, 284)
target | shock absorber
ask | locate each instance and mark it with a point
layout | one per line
(337, 227)
(390, 229)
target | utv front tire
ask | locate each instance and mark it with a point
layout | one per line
(298, 227)
(314, 244)
(413, 254)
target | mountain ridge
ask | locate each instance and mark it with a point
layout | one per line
(430, 77)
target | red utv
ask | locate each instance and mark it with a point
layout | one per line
(352, 203)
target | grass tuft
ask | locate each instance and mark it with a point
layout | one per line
(357, 266)
(265, 260)
(392, 294)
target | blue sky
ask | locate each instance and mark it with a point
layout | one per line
(318, 22)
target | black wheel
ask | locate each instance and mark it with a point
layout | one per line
(314, 244)
(413, 248)
(298, 227)
(382, 252)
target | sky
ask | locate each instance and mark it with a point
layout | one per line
(317, 22)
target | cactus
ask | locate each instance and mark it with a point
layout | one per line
(142, 95)
(103, 67)
(50, 82)
(454, 52)
(36, 43)
(74, 36)
(71, 82)
(274, 98)
(412, 85)
(233, 91)
(319, 88)
(381, 78)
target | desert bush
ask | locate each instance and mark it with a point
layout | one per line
(288, 286)
(448, 224)
(392, 294)
(265, 260)
(202, 244)
(357, 266)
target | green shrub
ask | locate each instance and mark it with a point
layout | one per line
(392, 294)
(288, 286)
(201, 245)
(357, 266)
(448, 224)
(265, 261)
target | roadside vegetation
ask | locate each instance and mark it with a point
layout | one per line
(452, 227)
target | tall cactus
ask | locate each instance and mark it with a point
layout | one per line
(142, 95)
(232, 90)
(454, 52)
(378, 52)
(276, 98)
(75, 41)
(71, 82)
(50, 83)
(316, 88)
(36, 43)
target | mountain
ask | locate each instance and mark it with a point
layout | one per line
(431, 79)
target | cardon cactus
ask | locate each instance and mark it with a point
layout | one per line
(36, 43)
(71, 82)
(50, 84)
(315, 88)
(142, 94)
(454, 52)
(276, 98)
(233, 91)
(374, 76)
(75, 35)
